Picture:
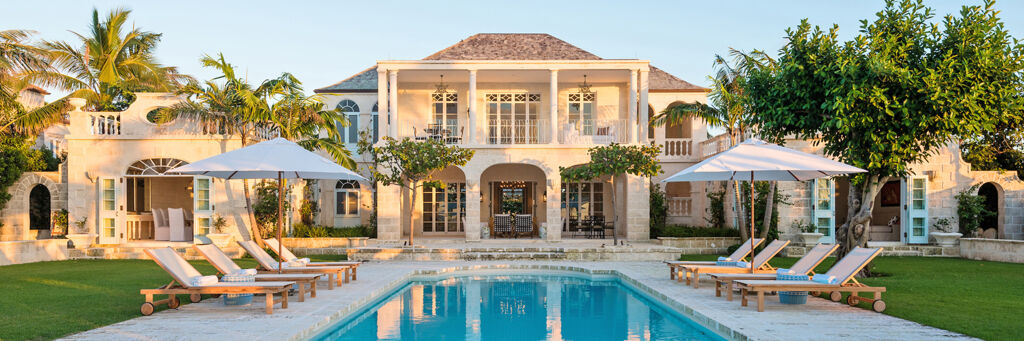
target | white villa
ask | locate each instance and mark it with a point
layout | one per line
(526, 103)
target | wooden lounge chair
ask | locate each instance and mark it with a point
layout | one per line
(692, 272)
(289, 256)
(335, 274)
(842, 273)
(740, 254)
(182, 273)
(804, 266)
(225, 265)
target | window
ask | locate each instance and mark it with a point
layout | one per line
(349, 134)
(581, 199)
(446, 110)
(512, 118)
(346, 194)
(107, 194)
(444, 208)
(374, 123)
(202, 195)
(581, 112)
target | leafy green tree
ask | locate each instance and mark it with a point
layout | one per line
(110, 62)
(22, 65)
(896, 94)
(998, 149)
(411, 164)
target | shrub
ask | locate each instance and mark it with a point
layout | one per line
(971, 210)
(682, 231)
(732, 248)
(307, 211)
(658, 209)
(265, 206)
(301, 230)
(716, 208)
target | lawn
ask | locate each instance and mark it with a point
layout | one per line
(52, 299)
(977, 298)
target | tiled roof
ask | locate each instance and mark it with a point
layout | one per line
(508, 46)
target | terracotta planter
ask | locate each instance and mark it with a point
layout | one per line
(946, 239)
(81, 240)
(810, 238)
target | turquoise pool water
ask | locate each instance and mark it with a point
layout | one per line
(517, 307)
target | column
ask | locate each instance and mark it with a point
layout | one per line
(393, 103)
(382, 102)
(638, 208)
(472, 228)
(471, 125)
(631, 127)
(553, 115)
(645, 120)
(553, 205)
(389, 216)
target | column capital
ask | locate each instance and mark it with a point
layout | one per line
(553, 70)
(472, 71)
(381, 70)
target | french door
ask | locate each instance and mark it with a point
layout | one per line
(512, 118)
(444, 208)
(823, 208)
(109, 221)
(202, 207)
(914, 197)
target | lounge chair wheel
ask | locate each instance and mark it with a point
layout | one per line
(878, 306)
(195, 298)
(852, 300)
(147, 309)
(835, 296)
(174, 303)
(815, 293)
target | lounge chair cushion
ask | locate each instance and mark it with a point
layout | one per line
(724, 259)
(245, 272)
(820, 278)
(785, 272)
(742, 264)
(303, 260)
(200, 281)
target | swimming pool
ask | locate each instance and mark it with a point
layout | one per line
(517, 307)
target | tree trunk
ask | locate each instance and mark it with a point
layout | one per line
(255, 229)
(769, 207)
(854, 233)
(738, 207)
(412, 211)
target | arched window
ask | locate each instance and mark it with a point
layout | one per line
(375, 122)
(39, 208)
(349, 134)
(154, 166)
(346, 194)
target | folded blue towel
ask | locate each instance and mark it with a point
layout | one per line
(785, 272)
(824, 279)
(724, 259)
(742, 264)
(724, 263)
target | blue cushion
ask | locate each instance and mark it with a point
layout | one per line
(825, 279)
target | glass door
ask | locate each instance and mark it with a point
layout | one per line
(823, 209)
(444, 208)
(202, 207)
(914, 196)
(109, 215)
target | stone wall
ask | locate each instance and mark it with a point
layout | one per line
(700, 245)
(319, 243)
(30, 251)
(14, 217)
(992, 250)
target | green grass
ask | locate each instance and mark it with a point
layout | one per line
(47, 300)
(976, 298)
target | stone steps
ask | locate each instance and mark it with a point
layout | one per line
(514, 256)
(501, 253)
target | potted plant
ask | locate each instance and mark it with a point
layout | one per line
(945, 238)
(220, 237)
(60, 224)
(81, 238)
(808, 233)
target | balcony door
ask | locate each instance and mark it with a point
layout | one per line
(512, 118)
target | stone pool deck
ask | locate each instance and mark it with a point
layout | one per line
(817, 320)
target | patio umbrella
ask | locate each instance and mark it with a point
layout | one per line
(758, 160)
(277, 158)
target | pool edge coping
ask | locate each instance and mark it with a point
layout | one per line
(357, 305)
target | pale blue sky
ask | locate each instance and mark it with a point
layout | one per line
(323, 42)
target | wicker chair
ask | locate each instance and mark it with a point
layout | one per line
(502, 224)
(524, 225)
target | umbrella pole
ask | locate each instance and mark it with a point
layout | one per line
(280, 207)
(751, 222)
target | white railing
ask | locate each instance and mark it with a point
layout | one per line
(517, 132)
(447, 131)
(679, 207)
(677, 148)
(593, 131)
(105, 123)
(714, 145)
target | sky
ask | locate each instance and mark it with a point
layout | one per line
(323, 42)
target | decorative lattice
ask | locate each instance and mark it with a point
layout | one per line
(347, 105)
(154, 166)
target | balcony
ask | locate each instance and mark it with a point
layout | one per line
(447, 131)
(588, 131)
(679, 206)
(677, 149)
(525, 131)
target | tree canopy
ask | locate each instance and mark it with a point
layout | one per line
(615, 159)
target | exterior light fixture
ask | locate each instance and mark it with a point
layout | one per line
(585, 88)
(441, 87)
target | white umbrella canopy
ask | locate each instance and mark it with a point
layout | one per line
(269, 160)
(754, 160)
(277, 158)
(763, 161)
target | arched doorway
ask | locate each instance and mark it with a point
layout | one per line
(990, 226)
(161, 206)
(513, 190)
(39, 210)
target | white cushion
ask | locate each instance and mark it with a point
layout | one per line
(199, 281)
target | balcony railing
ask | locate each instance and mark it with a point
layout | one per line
(593, 131)
(447, 131)
(714, 145)
(679, 206)
(677, 148)
(518, 132)
(104, 123)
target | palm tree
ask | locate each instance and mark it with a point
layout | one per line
(728, 109)
(22, 65)
(108, 64)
